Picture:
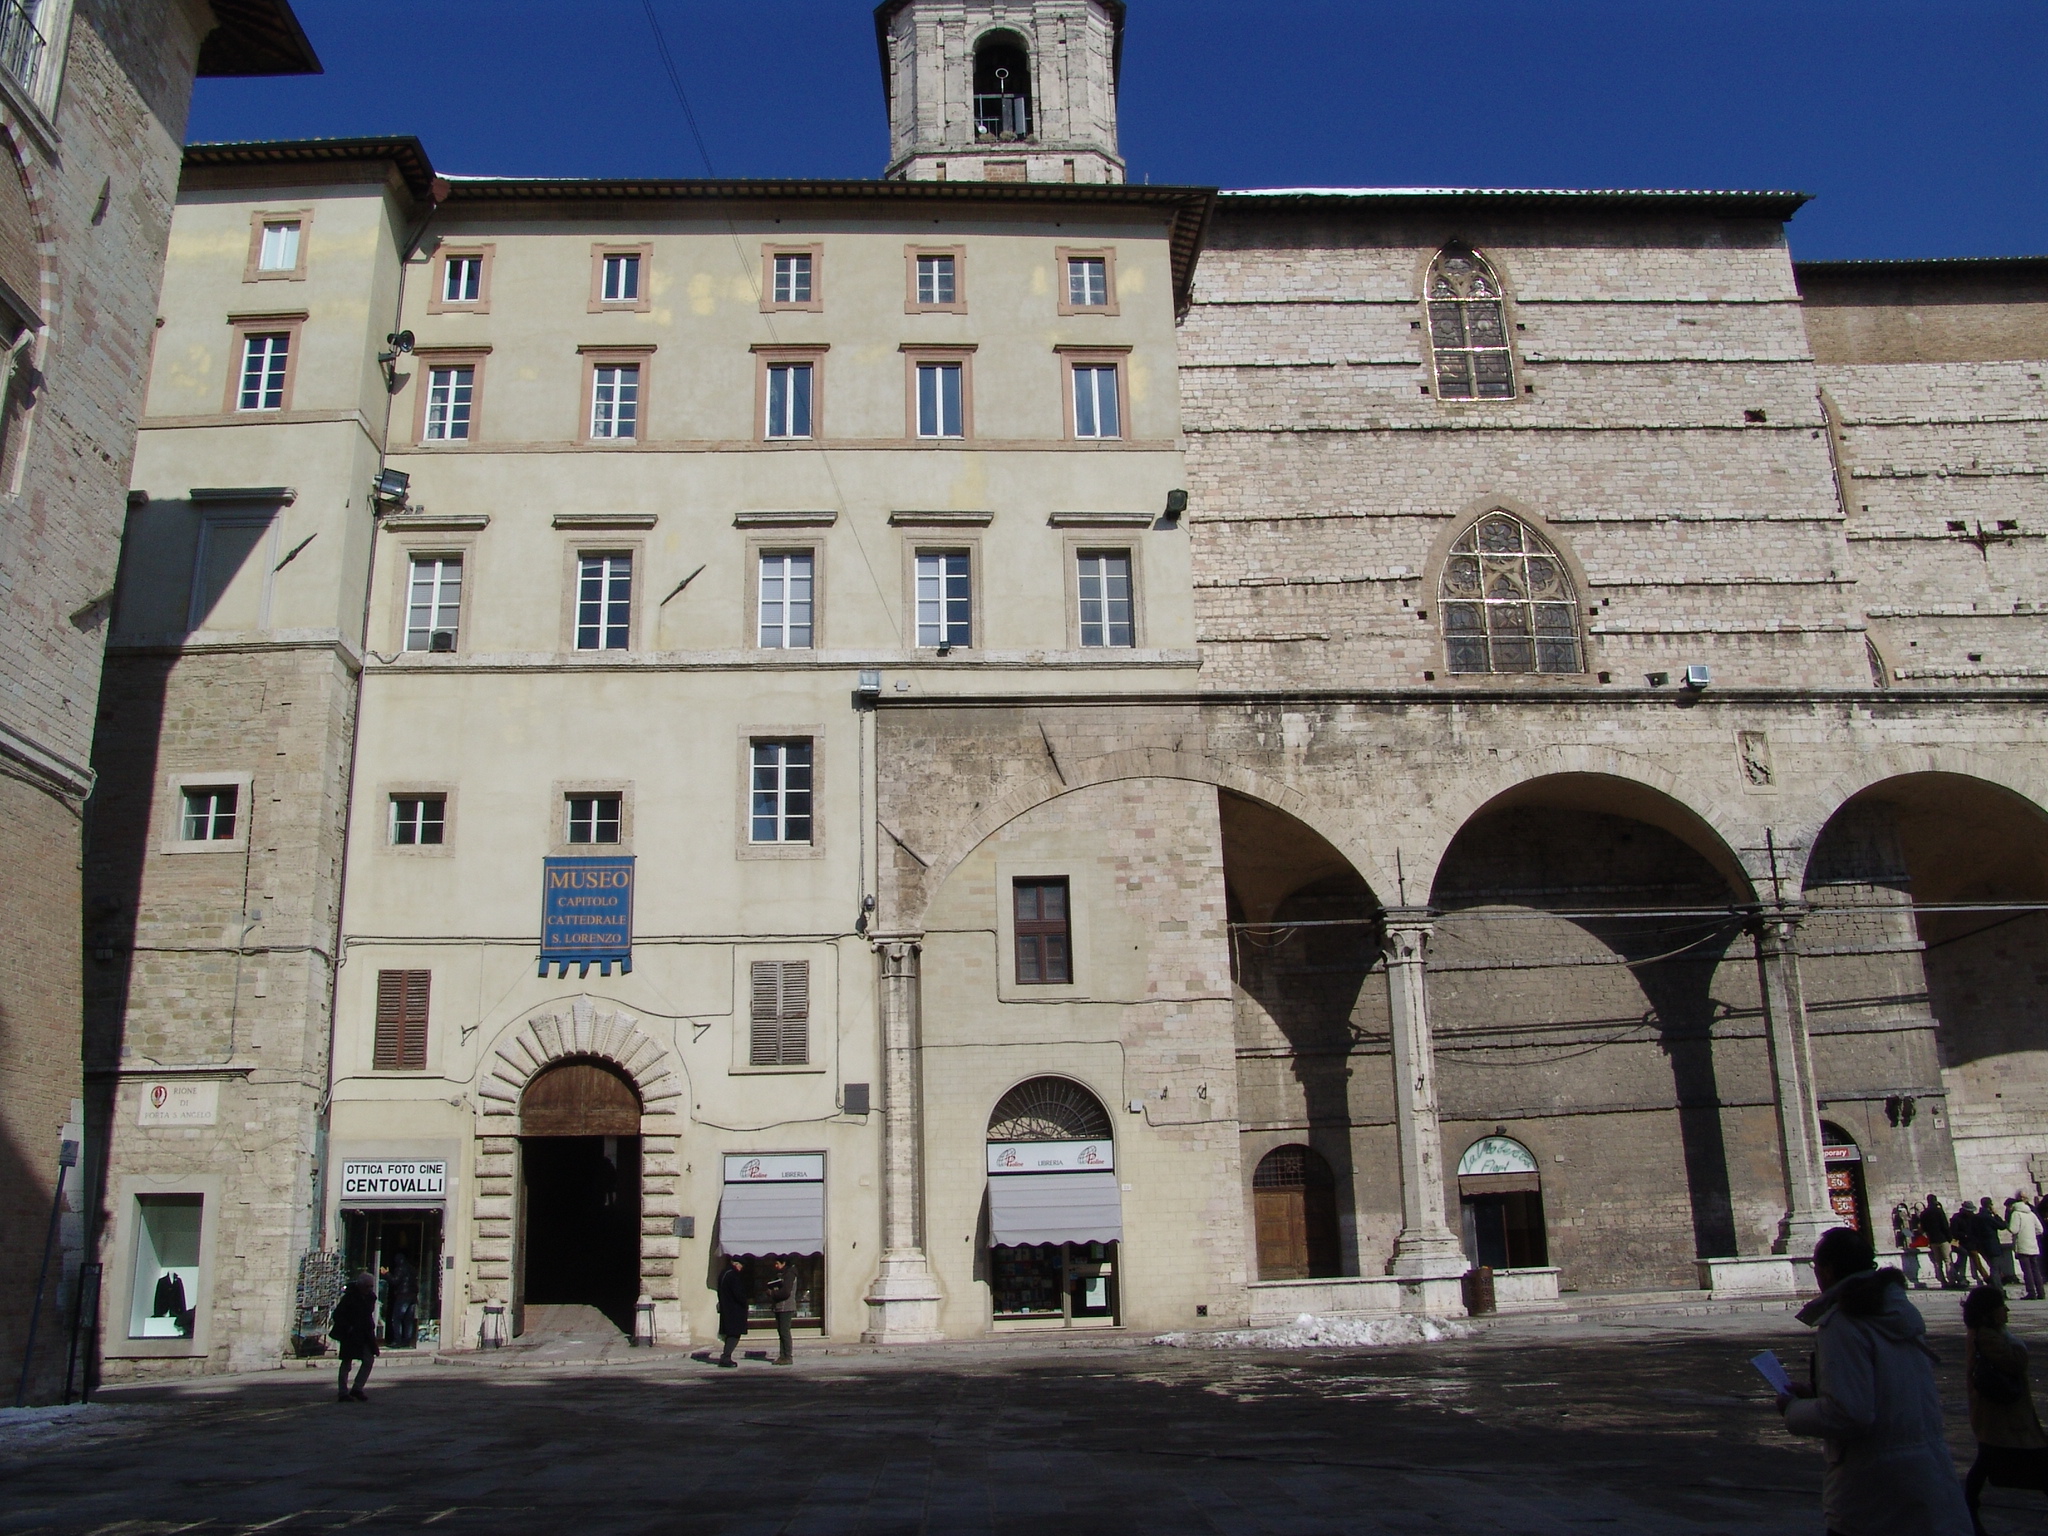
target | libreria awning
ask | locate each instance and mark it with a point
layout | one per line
(773, 1204)
(1054, 1208)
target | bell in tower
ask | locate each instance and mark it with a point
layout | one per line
(1001, 90)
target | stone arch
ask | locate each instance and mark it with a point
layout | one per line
(1006, 49)
(1043, 787)
(2024, 780)
(582, 1029)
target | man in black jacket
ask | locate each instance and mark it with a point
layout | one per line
(1934, 1222)
(355, 1329)
(782, 1297)
(732, 1308)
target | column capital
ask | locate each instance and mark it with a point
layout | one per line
(1776, 922)
(898, 950)
(1406, 933)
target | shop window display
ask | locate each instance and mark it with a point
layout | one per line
(166, 1295)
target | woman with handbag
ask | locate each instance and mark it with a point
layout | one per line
(2012, 1450)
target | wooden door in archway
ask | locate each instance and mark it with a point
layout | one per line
(1294, 1207)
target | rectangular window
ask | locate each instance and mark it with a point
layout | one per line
(450, 394)
(785, 602)
(780, 1006)
(945, 615)
(1095, 401)
(781, 811)
(1044, 940)
(166, 1297)
(418, 821)
(615, 400)
(938, 400)
(462, 281)
(1105, 593)
(263, 366)
(793, 278)
(401, 1043)
(621, 279)
(1087, 282)
(280, 250)
(593, 818)
(433, 603)
(789, 399)
(209, 813)
(604, 602)
(935, 279)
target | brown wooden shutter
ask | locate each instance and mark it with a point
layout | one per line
(781, 1013)
(401, 1021)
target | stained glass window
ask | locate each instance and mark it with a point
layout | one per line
(1468, 333)
(1507, 601)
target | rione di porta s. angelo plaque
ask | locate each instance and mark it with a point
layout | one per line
(586, 914)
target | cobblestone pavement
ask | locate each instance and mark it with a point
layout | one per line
(1646, 1426)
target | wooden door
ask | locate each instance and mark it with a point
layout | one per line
(1294, 1214)
(1282, 1219)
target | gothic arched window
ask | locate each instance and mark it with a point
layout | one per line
(1468, 328)
(1507, 601)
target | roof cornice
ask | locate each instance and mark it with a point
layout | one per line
(1767, 204)
(402, 152)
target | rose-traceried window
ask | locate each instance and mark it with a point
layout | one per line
(1507, 601)
(1468, 330)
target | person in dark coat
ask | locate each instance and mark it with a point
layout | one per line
(2012, 1449)
(1934, 1223)
(405, 1302)
(782, 1297)
(354, 1329)
(732, 1308)
(1962, 1231)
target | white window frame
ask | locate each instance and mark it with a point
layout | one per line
(175, 787)
(269, 353)
(1088, 384)
(613, 570)
(793, 278)
(934, 400)
(595, 819)
(950, 608)
(1092, 564)
(614, 402)
(288, 232)
(930, 270)
(463, 271)
(782, 423)
(621, 281)
(771, 756)
(443, 600)
(1083, 289)
(776, 575)
(451, 402)
(417, 825)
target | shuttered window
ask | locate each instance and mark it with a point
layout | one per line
(781, 1013)
(401, 1021)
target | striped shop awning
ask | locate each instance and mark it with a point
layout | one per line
(1054, 1208)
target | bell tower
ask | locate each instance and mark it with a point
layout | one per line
(1001, 90)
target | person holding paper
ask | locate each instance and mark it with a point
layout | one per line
(1873, 1401)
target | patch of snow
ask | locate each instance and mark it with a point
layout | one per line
(1310, 1332)
(28, 1428)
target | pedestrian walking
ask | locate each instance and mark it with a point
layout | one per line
(1873, 1400)
(2026, 1245)
(1911, 1243)
(354, 1329)
(1934, 1225)
(2012, 1451)
(732, 1308)
(1962, 1235)
(782, 1297)
(1992, 1220)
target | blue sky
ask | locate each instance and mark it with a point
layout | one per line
(1919, 127)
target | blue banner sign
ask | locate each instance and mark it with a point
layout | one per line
(586, 914)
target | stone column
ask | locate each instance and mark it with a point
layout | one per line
(1807, 1212)
(903, 1302)
(1427, 1248)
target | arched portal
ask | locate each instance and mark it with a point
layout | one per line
(1002, 87)
(1590, 974)
(1294, 1206)
(1922, 961)
(1500, 1200)
(579, 1190)
(1055, 1213)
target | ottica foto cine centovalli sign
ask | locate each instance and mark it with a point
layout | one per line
(394, 1181)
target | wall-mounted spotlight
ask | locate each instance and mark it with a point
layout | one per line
(390, 487)
(399, 343)
(1176, 504)
(1698, 678)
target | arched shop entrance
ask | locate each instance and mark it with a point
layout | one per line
(579, 1192)
(1294, 1207)
(1500, 1196)
(1055, 1213)
(1846, 1193)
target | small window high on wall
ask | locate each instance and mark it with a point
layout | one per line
(1468, 330)
(1507, 601)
